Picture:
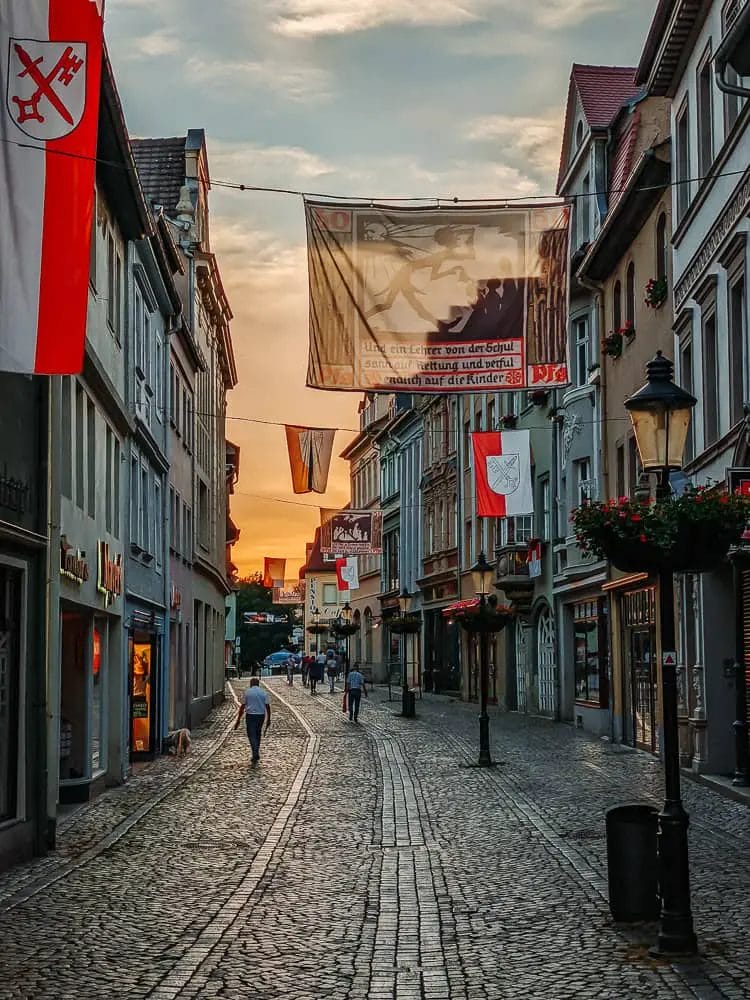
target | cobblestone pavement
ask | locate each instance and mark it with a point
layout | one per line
(367, 862)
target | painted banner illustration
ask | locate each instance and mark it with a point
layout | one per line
(455, 299)
(290, 593)
(273, 572)
(50, 73)
(353, 533)
(502, 473)
(309, 457)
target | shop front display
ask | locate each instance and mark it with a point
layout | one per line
(638, 618)
(142, 691)
(590, 641)
(11, 583)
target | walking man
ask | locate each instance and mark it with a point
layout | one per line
(255, 707)
(355, 685)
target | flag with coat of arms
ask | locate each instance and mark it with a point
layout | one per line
(347, 573)
(502, 473)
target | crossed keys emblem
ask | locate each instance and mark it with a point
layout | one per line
(46, 103)
(504, 473)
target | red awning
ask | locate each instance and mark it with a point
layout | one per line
(472, 602)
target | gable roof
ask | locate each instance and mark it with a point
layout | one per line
(161, 168)
(602, 91)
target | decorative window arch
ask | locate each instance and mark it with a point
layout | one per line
(630, 294)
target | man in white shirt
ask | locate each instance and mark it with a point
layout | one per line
(255, 707)
(355, 685)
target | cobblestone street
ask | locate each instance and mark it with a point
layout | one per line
(367, 862)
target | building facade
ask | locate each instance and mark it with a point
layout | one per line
(710, 207)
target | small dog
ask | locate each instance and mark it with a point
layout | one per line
(179, 742)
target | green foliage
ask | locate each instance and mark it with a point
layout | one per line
(257, 641)
(698, 516)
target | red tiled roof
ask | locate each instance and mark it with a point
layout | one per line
(622, 161)
(603, 91)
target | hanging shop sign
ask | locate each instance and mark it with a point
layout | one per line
(353, 533)
(287, 595)
(451, 299)
(73, 565)
(109, 574)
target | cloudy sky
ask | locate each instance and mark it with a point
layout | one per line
(364, 98)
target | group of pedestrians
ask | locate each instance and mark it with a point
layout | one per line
(256, 706)
(318, 666)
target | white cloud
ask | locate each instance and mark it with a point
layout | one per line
(307, 18)
(296, 81)
(277, 166)
(535, 140)
(153, 45)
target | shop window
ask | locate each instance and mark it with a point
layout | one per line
(142, 663)
(98, 700)
(590, 651)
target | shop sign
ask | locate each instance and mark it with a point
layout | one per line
(73, 563)
(175, 598)
(14, 493)
(109, 574)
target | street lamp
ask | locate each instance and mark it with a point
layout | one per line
(406, 624)
(660, 414)
(344, 627)
(481, 574)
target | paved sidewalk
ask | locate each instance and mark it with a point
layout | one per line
(367, 862)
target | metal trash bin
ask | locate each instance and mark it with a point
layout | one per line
(632, 863)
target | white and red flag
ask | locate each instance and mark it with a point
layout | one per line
(50, 73)
(347, 573)
(502, 473)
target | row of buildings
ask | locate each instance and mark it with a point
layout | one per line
(654, 161)
(115, 532)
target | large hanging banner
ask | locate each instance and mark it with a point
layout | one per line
(273, 572)
(353, 533)
(502, 473)
(453, 299)
(50, 74)
(309, 457)
(290, 593)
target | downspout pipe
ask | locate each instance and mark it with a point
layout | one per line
(737, 36)
(598, 289)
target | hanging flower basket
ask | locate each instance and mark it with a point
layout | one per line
(627, 331)
(690, 533)
(342, 629)
(491, 618)
(656, 292)
(612, 344)
(407, 625)
(317, 629)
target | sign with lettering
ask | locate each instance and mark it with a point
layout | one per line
(73, 565)
(109, 574)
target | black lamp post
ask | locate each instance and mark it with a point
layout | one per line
(406, 624)
(486, 620)
(344, 627)
(660, 414)
(317, 628)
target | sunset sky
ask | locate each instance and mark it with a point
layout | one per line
(371, 98)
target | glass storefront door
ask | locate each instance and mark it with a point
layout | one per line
(143, 664)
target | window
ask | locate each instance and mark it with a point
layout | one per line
(178, 524)
(203, 526)
(478, 536)
(737, 359)
(109, 481)
(544, 529)
(662, 265)
(390, 561)
(704, 90)
(581, 333)
(188, 554)
(173, 390)
(172, 524)
(66, 483)
(617, 306)
(517, 530)
(158, 523)
(114, 285)
(579, 134)
(682, 161)
(80, 446)
(430, 531)
(630, 294)
(467, 543)
(145, 526)
(620, 470)
(138, 309)
(91, 457)
(710, 380)
(584, 483)
(491, 415)
(686, 381)
(158, 378)
(116, 489)
(330, 594)
(135, 513)
(467, 444)
(634, 466)
(584, 212)
(590, 644)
